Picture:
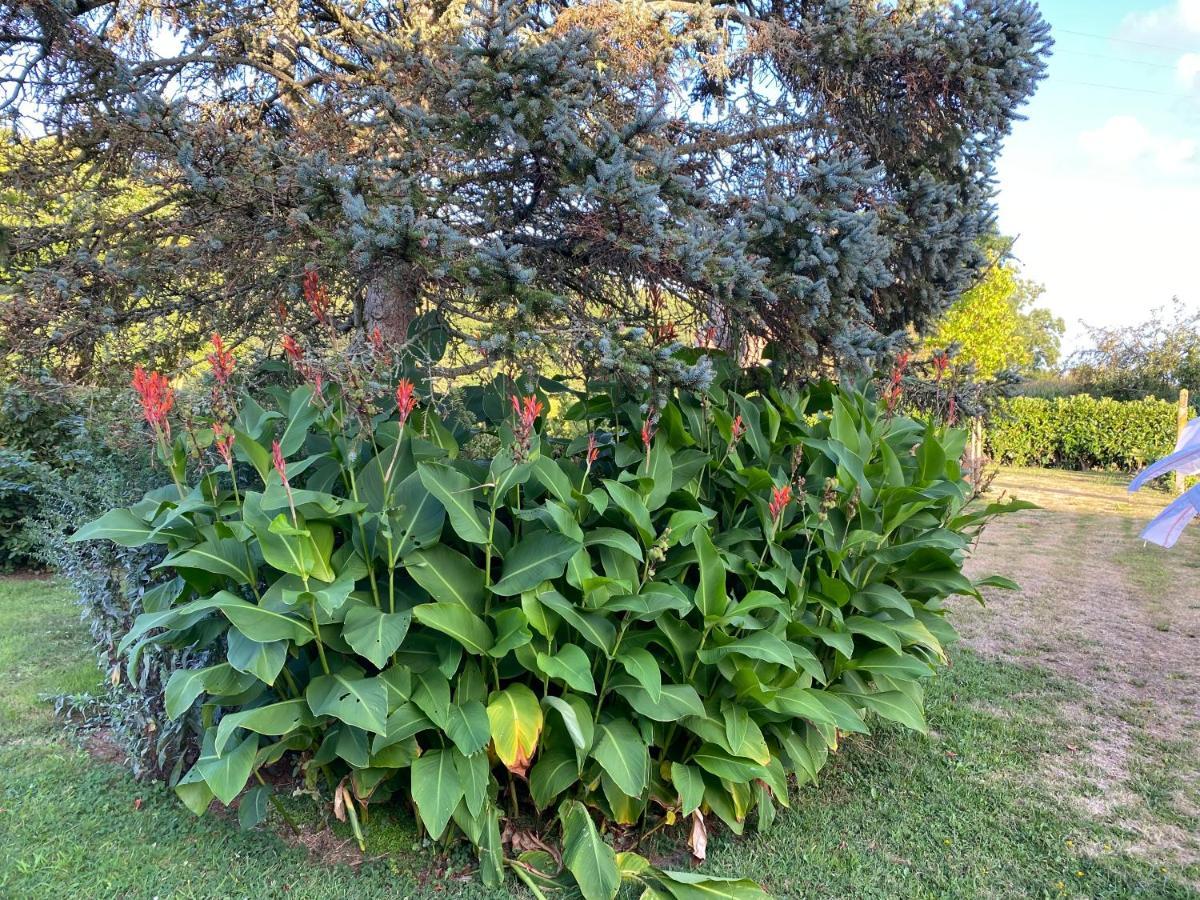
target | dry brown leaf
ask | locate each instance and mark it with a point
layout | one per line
(698, 838)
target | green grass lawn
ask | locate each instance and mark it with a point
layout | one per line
(969, 811)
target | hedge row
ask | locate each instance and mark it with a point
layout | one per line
(1081, 432)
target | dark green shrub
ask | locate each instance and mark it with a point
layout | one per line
(20, 478)
(1081, 432)
(671, 614)
(70, 454)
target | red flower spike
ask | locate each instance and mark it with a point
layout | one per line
(649, 427)
(406, 401)
(780, 498)
(737, 429)
(593, 450)
(156, 397)
(527, 411)
(223, 441)
(220, 359)
(277, 459)
(317, 297)
(940, 362)
(291, 348)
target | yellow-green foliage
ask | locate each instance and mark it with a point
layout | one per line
(994, 326)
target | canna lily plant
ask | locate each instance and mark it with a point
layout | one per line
(663, 613)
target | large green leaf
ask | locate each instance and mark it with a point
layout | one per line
(594, 628)
(570, 664)
(467, 725)
(262, 660)
(374, 634)
(348, 696)
(631, 503)
(615, 538)
(220, 556)
(553, 773)
(760, 645)
(883, 661)
(458, 622)
(185, 685)
(119, 526)
(710, 594)
(576, 717)
(713, 759)
(274, 719)
(302, 551)
(227, 774)
(894, 705)
(302, 412)
(690, 784)
(475, 773)
(417, 519)
(448, 576)
(260, 624)
(622, 754)
(436, 789)
(697, 886)
(541, 556)
(674, 701)
(456, 492)
(516, 724)
(662, 473)
(586, 856)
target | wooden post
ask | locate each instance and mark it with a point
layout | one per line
(1182, 420)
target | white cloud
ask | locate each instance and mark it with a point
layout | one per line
(1168, 25)
(1107, 249)
(1187, 71)
(1124, 142)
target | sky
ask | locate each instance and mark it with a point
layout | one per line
(1101, 184)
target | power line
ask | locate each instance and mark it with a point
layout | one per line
(1103, 37)
(1124, 59)
(1118, 87)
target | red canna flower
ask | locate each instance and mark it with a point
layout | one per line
(406, 401)
(281, 468)
(316, 295)
(527, 411)
(649, 427)
(780, 498)
(737, 429)
(220, 359)
(593, 450)
(940, 362)
(664, 333)
(377, 340)
(223, 441)
(292, 349)
(277, 459)
(156, 397)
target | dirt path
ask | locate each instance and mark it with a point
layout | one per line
(1121, 620)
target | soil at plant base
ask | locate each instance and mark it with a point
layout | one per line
(1119, 618)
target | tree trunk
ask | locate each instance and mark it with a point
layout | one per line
(389, 304)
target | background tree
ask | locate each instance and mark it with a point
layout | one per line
(995, 323)
(816, 173)
(1154, 358)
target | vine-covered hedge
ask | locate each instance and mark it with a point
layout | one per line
(663, 610)
(1081, 432)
